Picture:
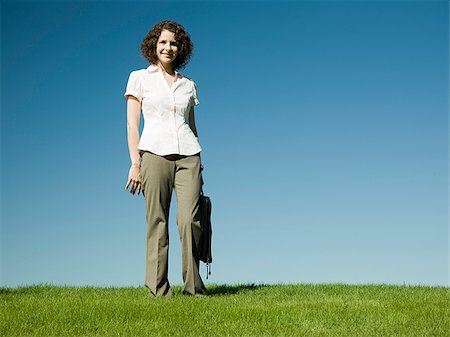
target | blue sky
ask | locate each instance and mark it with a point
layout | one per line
(324, 128)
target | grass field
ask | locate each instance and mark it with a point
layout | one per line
(239, 310)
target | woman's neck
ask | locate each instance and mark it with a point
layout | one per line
(166, 68)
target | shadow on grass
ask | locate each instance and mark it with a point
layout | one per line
(212, 289)
(224, 289)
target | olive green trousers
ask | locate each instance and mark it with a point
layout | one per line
(160, 176)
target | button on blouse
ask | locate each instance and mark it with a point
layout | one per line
(166, 111)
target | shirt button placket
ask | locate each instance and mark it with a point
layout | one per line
(174, 114)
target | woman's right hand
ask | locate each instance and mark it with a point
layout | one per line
(134, 180)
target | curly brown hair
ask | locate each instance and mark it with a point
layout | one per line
(185, 45)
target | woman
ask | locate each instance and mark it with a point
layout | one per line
(167, 156)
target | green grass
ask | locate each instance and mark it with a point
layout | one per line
(240, 310)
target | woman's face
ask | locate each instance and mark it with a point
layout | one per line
(166, 47)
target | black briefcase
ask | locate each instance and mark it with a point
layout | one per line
(205, 254)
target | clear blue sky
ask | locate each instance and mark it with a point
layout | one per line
(324, 128)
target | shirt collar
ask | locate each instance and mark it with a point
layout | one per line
(154, 68)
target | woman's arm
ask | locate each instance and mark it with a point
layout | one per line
(192, 122)
(133, 121)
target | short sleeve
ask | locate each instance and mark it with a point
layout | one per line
(194, 91)
(134, 87)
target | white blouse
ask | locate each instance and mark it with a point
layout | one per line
(165, 110)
